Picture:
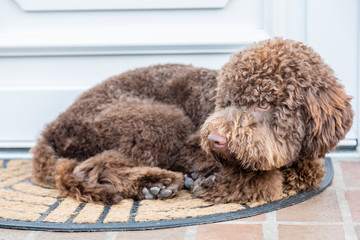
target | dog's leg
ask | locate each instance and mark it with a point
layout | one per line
(108, 178)
(240, 187)
(193, 161)
(303, 176)
(43, 163)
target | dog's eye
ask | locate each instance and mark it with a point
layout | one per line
(264, 105)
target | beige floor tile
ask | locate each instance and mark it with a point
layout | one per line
(164, 234)
(351, 174)
(71, 236)
(229, 232)
(313, 232)
(323, 208)
(353, 198)
(7, 234)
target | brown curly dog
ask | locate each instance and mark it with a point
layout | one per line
(258, 128)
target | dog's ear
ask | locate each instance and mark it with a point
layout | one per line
(328, 117)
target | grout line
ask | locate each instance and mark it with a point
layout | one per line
(270, 227)
(338, 181)
(350, 233)
(32, 235)
(318, 223)
(190, 233)
(349, 229)
(110, 235)
(344, 207)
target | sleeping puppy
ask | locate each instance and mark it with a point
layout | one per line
(250, 132)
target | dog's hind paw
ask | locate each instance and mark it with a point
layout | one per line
(157, 192)
(162, 188)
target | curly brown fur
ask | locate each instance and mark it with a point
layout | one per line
(255, 129)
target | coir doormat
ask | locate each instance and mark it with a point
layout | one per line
(26, 205)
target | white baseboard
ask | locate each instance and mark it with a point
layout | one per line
(351, 155)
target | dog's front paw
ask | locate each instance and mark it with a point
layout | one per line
(190, 179)
(203, 184)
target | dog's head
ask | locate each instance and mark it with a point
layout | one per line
(276, 102)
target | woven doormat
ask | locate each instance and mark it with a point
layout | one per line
(27, 205)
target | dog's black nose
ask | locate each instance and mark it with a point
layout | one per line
(217, 141)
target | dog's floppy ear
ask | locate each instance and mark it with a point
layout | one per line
(328, 117)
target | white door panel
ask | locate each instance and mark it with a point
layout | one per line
(24, 113)
(47, 58)
(28, 103)
(332, 30)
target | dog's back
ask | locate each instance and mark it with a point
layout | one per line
(138, 118)
(185, 86)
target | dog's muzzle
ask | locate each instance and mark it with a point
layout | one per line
(218, 145)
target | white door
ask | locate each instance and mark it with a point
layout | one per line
(50, 53)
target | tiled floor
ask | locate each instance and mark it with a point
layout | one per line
(334, 214)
